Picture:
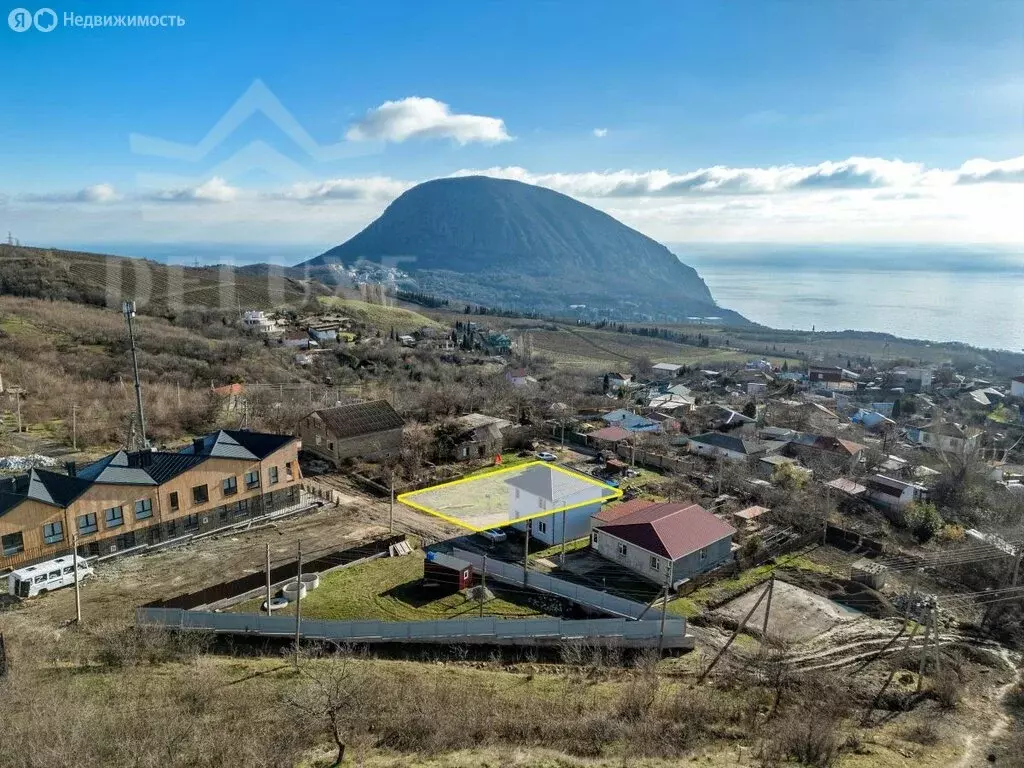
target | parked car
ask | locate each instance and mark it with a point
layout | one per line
(546, 456)
(494, 537)
(611, 481)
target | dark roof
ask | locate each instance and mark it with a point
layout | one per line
(670, 529)
(40, 485)
(147, 467)
(745, 445)
(357, 419)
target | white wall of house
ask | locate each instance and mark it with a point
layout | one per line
(655, 568)
(549, 529)
(1016, 388)
(715, 452)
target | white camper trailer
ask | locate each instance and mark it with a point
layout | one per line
(46, 576)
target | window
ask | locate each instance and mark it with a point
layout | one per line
(53, 533)
(330, 446)
(288, 471)
(252, 480)
(542, 526)
(69, 570)
(87, 523)
(125, 540)
(13, 543)
(272, 475)
(143, 509)
(113, 517)
(230, 486)
(243, 507)
(53, 574)
(191, 522)
(622, 550)
(200, 494)
(40, 579)
(655, 564)
(172, 528)
(593, 539)
(173, 500)
(704, 554)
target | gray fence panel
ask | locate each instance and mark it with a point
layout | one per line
(576, 593)
(475, 630)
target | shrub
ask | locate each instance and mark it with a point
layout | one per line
(923, 520)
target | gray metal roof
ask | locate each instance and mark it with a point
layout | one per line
(553, 485)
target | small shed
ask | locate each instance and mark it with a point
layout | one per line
(447, 572)
(869, 573)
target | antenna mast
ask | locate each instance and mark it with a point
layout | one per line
(128, 309)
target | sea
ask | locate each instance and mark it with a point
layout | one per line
(970, 294)
(973, 295)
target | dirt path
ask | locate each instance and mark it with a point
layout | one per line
(976, 746)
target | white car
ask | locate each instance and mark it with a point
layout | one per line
(494, 537)
(546, 456)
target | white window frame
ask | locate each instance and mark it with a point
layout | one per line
(655, 563)
(621, 549)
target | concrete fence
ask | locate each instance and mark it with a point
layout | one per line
(541, 582)
(474, 631)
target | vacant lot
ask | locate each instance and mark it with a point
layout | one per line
(483, 501)
(796, 614)
(390, 589)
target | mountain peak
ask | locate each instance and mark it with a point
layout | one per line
(508, 244)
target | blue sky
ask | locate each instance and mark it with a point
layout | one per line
(785, 121)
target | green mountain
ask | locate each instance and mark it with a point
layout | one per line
(517, 246)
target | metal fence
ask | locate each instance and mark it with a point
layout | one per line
(584, 596)
(474, 631)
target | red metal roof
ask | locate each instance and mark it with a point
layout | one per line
(670, 529)
(612, 513)
(611, 434)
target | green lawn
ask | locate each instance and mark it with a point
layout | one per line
(507, 460)
(379, 316)
(570, 546)
(389, 589)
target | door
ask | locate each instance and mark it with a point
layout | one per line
(21, 588)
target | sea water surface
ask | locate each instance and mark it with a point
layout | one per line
(973, 295)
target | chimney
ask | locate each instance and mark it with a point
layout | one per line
(197, 445)
(70, 468)
(145, 457)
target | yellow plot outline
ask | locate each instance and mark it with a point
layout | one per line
(403, 498)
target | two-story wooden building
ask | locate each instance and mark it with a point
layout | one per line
(136, 499)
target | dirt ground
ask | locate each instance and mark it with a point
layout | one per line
(123, 584)
(796, 614)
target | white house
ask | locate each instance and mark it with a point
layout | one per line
(617, 380)
(518, 377)
(322, 333)
(733, 447)
(890, 493)
(946, 437)
(666, 370)
(662, 542)
(259, 321)
(1017, 386)
(541, 488)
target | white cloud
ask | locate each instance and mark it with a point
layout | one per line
(370, 188)
(215, 190)
(95, 193)
(424, 118)
(600, 132)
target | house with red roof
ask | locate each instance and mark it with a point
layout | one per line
(662, 541)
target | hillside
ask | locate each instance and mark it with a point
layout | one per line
(512, 245)
(158, 289)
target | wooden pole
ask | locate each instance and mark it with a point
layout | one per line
(561, 557)
(483, 585)
(298, 603)
(391, 515)
(269, 609)
(732, 637)
(17, 398)
(78, 588)
(924, 651)
(935, 637)
(526, 550)
(74, 427)
(1016, 565)
(664, 609)
(768, 608)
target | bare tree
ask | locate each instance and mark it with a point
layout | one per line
(332, 695)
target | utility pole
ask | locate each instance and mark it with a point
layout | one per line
(78, 588)
(526, 550)
(768, 607)
(561, 556)
(269, 609)
(17, 399)
(74, 427)
(128, 310)
(177, 392)
(391, 514)
(732, 637)
(664, 609)
(1016, 565)
(924, 650)
(298, 602)
(483, 585)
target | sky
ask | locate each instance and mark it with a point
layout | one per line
(778, 121)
